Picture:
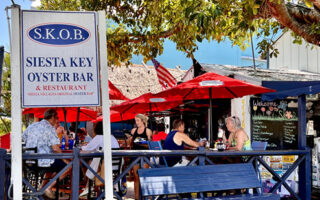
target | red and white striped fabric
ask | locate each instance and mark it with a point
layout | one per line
(164, 76)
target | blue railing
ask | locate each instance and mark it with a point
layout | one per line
(200, 157)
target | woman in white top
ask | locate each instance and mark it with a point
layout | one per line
(97, 142)
(94, 145)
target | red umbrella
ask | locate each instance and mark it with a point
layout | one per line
(116, 117)
(85, 114)
(115, 94)
(219, 86)
(147, 103)
(212, 86)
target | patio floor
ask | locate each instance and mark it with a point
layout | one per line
(130, 191)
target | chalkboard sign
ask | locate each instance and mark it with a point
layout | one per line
(275, 122)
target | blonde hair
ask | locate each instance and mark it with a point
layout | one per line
(143, 118)
(235, 120)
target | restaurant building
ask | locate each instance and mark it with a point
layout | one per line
(259, 114)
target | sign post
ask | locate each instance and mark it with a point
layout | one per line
(56, 58)
(105, 108)
(16, 119)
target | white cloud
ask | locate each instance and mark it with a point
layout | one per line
(35, 4)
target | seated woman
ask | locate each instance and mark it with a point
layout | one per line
(141, 133)
(176, 140)
(94, 145)
(97, 142)
(238, 138)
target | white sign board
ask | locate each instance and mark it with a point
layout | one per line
(60, 65)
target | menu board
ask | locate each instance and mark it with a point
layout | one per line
(275, 122)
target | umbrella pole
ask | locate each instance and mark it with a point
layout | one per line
(76, 131)
(122, 125)
(210, 132)
(65, 118)
(150, 115)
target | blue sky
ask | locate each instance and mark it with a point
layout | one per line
(211, 53)
(4, 34)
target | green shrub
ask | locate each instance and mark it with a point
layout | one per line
(5, 127)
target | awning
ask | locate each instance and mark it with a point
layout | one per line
(289, 88)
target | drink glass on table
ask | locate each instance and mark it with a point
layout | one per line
(227, 145)
(63, 143)
(220, 145)
(70, 144)
(207, 144)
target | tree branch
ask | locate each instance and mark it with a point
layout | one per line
(136, 38)
(316, 4)
(280, 12)
(303, 14)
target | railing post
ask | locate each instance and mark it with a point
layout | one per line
(302, 141)
(75, 173)
(2, 173)
(304, 167)
(202, 158)
(305, 177)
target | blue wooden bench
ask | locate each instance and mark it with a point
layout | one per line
(199, 179)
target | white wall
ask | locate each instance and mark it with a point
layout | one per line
(293, 56)
(241, 107)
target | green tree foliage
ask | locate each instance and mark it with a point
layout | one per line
(5, 109)
(5, 126)
(6, 87)
(140, 27)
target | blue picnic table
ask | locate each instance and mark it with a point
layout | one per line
(200, 157)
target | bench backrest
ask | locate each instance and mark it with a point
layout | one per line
(175, 180)
(156, 145)
(116, 163)
(257, 145)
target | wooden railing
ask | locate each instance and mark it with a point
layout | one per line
(200, 157)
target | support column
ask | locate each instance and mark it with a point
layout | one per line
(105, 107)
(304, 167)
(75, 173)
(16, 119)
(302, 122)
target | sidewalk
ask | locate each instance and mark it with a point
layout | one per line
(130, 191)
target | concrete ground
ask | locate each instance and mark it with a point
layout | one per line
(130, 191)
(128, 196)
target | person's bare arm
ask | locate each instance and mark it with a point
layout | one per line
(185, 138)
(66, 137)
(133, 130)
(225, 140)
(149, 134)
(57, 149)
(241, 137)
(130, 138)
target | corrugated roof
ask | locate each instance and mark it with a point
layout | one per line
(247, 73)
